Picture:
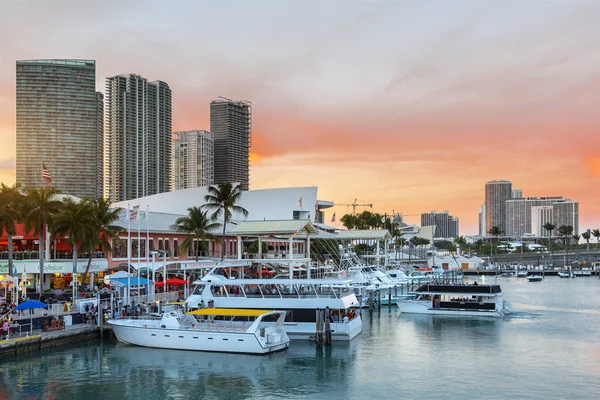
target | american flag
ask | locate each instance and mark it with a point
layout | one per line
(133, 214)
(46, 175)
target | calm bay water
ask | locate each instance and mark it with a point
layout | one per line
(549, 349)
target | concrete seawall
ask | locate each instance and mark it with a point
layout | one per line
(40, 340)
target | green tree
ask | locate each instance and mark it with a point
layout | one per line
(41, 205)
(349, 221)
(596, 234)
(253, 247)
(224, 198)
(198, 226)
(586, 235)
(75, 219)
(104, 233)
(11, 213)
(550, 227)
(495, 232)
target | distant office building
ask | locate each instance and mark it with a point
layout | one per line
(194, 159)
(566, 212)
(482, 230)
(496, 195)
(529, 215)
(231, 125)
(517, 193)
(540, 216)
(446, 226)
(60, 125)
(138, 137)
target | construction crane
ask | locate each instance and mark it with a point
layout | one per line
(354, 205)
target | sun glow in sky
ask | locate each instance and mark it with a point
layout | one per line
(411, 106)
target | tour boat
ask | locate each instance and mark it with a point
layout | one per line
(456, 300)
(302, 299)
(535, 278)
(208, 329)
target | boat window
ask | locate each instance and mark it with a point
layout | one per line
(235, 291)
(251, 290)
(269, 290)
(199, 289)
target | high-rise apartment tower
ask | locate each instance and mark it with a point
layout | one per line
(59, 125)
(139, 140)
(446, 226)
(496, 195)
(231, 125)
(194, 159)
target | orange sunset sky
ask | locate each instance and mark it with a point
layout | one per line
(411, 106)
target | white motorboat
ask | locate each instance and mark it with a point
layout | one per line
(522, 273)
(535, 278)
(456, 300)
(209, 329)
(564, 274)
(582, 271)
(302, 299)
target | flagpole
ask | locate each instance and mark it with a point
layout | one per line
(147, 253)
(128, 255)
(139, 257)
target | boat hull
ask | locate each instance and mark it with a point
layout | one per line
(182, 339)
(340, 331)
(424, 307)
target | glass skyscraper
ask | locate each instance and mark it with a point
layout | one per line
(139, 160)
(231, 125)
(60, 125)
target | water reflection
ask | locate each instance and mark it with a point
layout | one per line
(136, 372)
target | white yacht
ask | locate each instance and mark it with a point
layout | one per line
(209, 329)
(456, 300)
(535, 278)
(300, 298)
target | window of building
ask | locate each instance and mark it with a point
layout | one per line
(168, 247)
(175, 248)
(160, 244)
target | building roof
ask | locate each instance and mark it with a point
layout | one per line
(372, 234)
(269, 204)
(276, 227)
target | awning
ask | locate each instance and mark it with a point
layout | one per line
(132, 281)
(232, 312)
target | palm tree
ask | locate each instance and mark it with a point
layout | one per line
(596, 233)
(550, 227)
(586, 235)
(495, 232)
(565, 231)
(196, 224)
(11, 213)
(349, 221)
(41, 205)
(75, 219)
(104, 232)
(224, 197)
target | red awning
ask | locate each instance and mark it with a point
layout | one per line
(176, 281)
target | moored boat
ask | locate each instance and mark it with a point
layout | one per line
(302, 299)
(456, 300)
(209, 329)
(535, 278)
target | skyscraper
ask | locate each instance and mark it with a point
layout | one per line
(524, 215)
(446, 226)
(231, 125)
(59, 124)
(194, 159)
(496, 194)
(138, 137)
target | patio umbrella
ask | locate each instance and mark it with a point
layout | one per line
(176, 281)
(30, 304)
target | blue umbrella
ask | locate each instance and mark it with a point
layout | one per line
(29, 304)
